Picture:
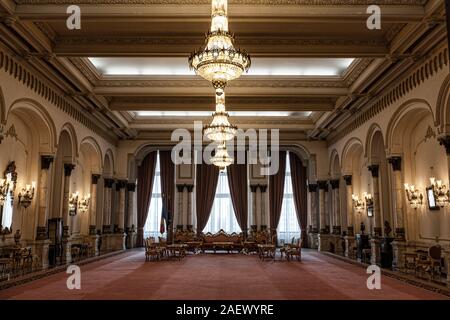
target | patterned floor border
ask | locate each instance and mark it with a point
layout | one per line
(434, 287)
(44, 273)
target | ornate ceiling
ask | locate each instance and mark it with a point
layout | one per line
(268, 29)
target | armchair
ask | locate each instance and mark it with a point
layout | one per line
(294, 250)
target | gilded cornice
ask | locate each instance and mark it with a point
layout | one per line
(354, 74)
(197, 42)
(293, 83)
(34, 81)
(46, 30)
(425, 69)
(242, 2)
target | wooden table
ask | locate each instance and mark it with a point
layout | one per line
(177, 250)
(267, 251)
(225, 245)
(195, 246)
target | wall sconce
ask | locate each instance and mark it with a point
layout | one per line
(358, 203)
(369, 199)
(4, 188)
(26, 195)
(441, 192)
(83, 204)
(413, 195)
(73, 203)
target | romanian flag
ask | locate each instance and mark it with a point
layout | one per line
(164, 219)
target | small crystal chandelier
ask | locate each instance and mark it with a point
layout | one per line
(221, 159)
(219, 62)
(220, 128)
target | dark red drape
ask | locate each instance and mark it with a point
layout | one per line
(167, 168)
(237, 180)
(276, 189)
(299, 180)
(206, 184)
(146, 172)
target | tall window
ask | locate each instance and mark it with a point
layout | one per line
(288, 227)
(152, 225)
(222, 213)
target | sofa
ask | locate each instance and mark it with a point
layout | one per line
(222, 241)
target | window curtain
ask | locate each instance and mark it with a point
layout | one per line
(237, 181)
(276, 190)
(167, 185)
(298, 177)
(146, 171)
(206, 184)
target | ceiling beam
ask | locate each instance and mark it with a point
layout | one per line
(259, 46)
(255, 103)
(202, 12)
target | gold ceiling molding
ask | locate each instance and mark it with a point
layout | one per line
(353, 73)
(40, 86)
(45, 28)
(392, 32)
(287, 83)
(232, 99)
(243, 41)
(242, 2)
(86, 70)
(426, 69)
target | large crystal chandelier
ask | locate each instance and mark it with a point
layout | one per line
(220, 62)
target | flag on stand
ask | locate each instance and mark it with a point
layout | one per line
(164, 219)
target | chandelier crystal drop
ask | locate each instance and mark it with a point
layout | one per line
(222, 159)
(219, 61)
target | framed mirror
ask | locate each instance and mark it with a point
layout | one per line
(7, 188)
(431, 199)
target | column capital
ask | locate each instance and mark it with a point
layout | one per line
(323, 185)
(121, 184)
(94, 178)
(108, 182)
(68, 167)
(263, 187)
(312, 187)
(374, 170)
(253, 187)
(445, 141)
(180, 187)
(334, 183)
(348, 179)
(190, 187)
(131, 186)
(46, 161)
(396, 162)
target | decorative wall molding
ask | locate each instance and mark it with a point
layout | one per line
(34, 82)
(430, 65)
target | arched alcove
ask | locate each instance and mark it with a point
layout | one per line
(28, 133)
(413, 136)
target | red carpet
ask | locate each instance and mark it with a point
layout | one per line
(220, 276)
